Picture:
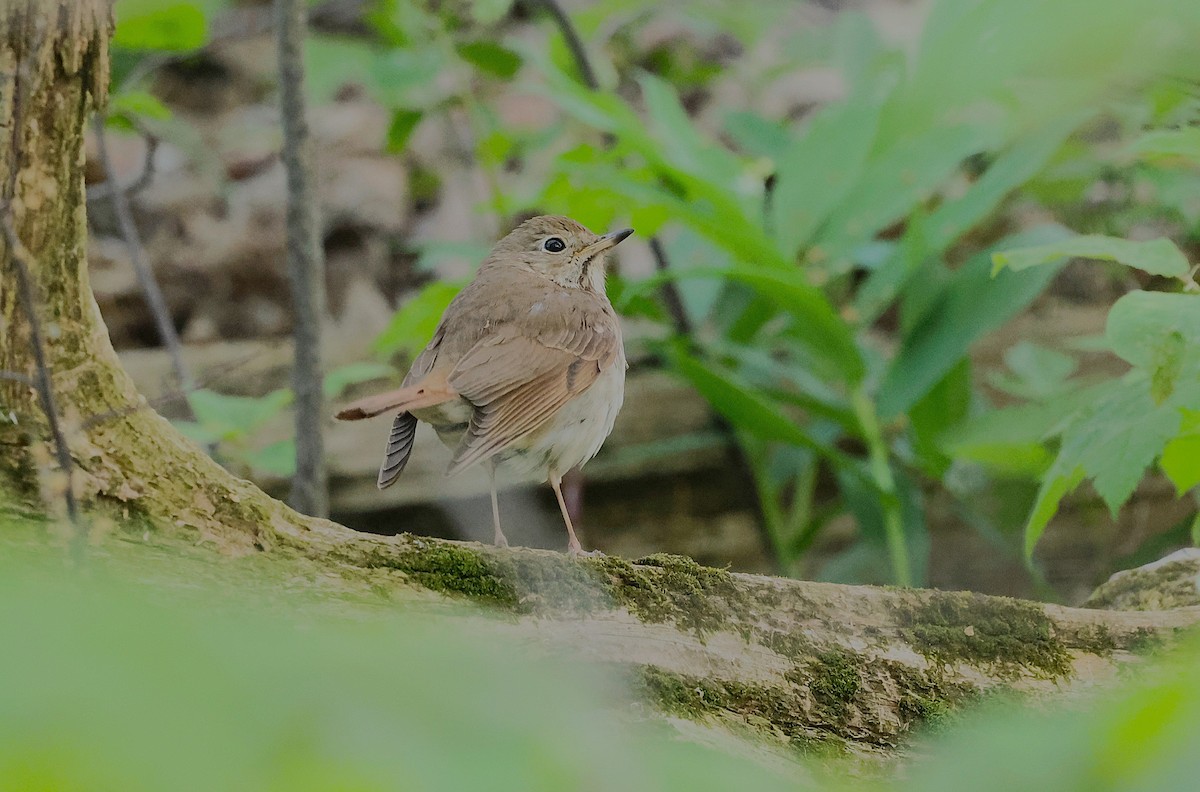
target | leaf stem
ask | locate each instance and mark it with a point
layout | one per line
(881, 472)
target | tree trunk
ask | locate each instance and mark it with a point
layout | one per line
(797, 662)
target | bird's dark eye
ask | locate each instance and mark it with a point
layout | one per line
(554, 245)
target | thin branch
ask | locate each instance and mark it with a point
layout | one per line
(306, 264)
(22, 88)
(574, 43)
(145, 275)
(43, 384)
(106, 189)
(670, 292)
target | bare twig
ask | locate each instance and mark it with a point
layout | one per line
(45, 388)
(305, 264)
(573, 41)
(109, 186)
(20, 258)
(670, 294)
(145, 275)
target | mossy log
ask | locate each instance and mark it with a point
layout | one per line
(807, 664)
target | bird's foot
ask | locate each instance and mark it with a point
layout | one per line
(575, 551)
(499, 540)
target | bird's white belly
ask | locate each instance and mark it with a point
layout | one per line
(571, 436)
(574, 434)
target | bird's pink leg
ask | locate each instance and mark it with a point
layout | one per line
(498, 537)
(573, 546)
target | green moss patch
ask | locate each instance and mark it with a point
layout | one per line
(452, 569)
(926, 700)
(774, 709)
(835, 681)
(669, 588)
(1001, 633)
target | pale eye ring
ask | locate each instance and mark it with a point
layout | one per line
(554, 245)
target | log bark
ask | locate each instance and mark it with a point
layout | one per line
(852, 669)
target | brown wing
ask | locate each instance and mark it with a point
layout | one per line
(517, 382)
(404, 425)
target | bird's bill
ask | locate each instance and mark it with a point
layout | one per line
(606, 242)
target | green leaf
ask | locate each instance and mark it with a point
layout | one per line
(1020, 163)
(1054, 488)
(234, 417)
(973, 304)
(413, 325)
(276, 459)
(817, 325)
(1143, 328)
(1181, 456)
(746, 408)
(679, 142)
(722, 223)
(868, 509)
(196, 432)
(333, 62)
(138, 104)
(165, 27)
(818, 171)
(899, 265)
(1038, 373)
(1183, 142)
(401, 127)
(942, 408)
(895, 181)
(758, 136)
(1167, 366)
(490, 57)
(1012, 440)
(1156, 256)
(1118, 438)
(337, 380)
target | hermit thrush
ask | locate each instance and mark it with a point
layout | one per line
(526, 367)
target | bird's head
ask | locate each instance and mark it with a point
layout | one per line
(559, 248)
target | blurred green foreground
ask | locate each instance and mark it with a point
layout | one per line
(123, 674)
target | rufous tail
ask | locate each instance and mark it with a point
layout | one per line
(413, 397)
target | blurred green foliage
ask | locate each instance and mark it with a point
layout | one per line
(109, 686)
(202, 677)
(836, 269)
